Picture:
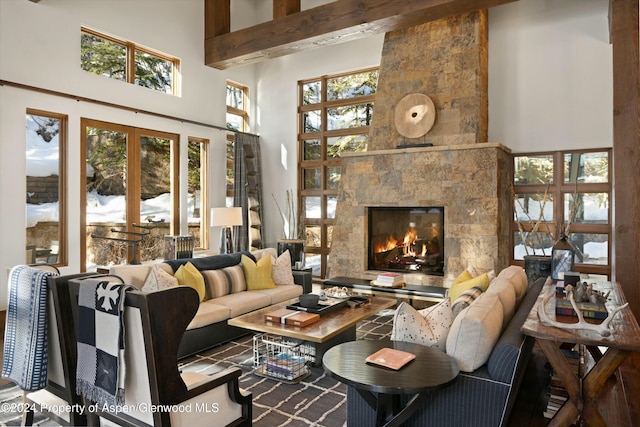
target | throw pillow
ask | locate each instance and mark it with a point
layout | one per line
(465, 300)
(428, 327)
(482, 281)
(258, 274)
(158, 279)
(474, 332)
(463, 277)
(282, 274)
(518, 279)
(224, 281)
(189, 275)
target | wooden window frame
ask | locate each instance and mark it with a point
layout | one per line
(205, 205)
(324, 162)
(244, 113)
(62, 180)
(558, 189)
(131, 48)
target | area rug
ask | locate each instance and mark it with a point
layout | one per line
(318, 400)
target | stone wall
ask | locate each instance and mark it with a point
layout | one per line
(470, 181)
(446, 60)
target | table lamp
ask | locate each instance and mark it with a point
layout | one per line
(226, 218)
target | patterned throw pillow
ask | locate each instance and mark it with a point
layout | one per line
(465, 300)
(224, 281)
(158, 279)
(189, 275)
(257, 275)
(428, 327)
(282, 274)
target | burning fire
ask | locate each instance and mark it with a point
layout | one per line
(407, 244)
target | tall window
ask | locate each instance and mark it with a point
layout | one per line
(237, 120)
(127, 61)
(131, 199)
(198, 211)
(334, 116)
(46, 137)
(567, 190)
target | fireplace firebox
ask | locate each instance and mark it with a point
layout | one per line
(406, 239)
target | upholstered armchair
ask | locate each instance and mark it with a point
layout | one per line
(155, 391)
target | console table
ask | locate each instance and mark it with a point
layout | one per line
(583, 392)
(411, 292)
(381, 387)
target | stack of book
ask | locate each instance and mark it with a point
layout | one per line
(389, 280)
(285, 365)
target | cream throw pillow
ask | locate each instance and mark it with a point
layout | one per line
(281, 269)
(474, 332)
(158, 279)
(258, 275)
(188, 275)
(428, 327)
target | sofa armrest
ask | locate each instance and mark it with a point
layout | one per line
(304, 279)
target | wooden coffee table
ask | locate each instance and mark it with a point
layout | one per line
(332, 328)
(381, 387)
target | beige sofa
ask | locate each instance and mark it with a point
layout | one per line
(227, 294)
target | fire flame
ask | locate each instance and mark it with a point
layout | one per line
(407, 244)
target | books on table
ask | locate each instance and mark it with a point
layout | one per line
(388, 279)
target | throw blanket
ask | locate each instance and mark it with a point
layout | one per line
(25, 336)
(101, 370)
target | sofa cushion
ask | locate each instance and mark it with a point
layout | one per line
(475, 331)
(281, 293)
(213, 262)
(507, 351)
(208, 313)
(428, 327)
(281, 269)
(225, 281)
(188, 275)
(243, 302)
(503, 288)
(482, 281)
(158, 279)
(465, 300)
(518, 279)
(258, 274)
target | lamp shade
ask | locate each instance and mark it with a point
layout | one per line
(226, 217)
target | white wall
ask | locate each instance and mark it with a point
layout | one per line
(550, 75)
(550, 87)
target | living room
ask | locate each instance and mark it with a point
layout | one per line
(550, 88)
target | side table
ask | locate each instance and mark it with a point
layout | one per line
(382, 388)
(583, 392)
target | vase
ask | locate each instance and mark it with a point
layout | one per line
(537, 266)
(296, 250)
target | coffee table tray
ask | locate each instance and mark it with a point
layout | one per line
(322, 308)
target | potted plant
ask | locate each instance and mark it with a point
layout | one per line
(292, 240)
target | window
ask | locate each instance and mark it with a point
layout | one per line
(334, 117)
(126, 61)
(567, 190)
(198, 151)
(131, 199)
(237, 120)
(46, 141)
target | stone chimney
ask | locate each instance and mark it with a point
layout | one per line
(446, 60)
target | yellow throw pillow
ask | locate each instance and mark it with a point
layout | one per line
(482, 281)
(463, 277)
(257, 275)
(189, 275)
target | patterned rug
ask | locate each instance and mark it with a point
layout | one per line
(318, 400)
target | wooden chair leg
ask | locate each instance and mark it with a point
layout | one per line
(27, 411)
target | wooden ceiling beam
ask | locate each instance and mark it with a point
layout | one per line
(285, 7)
(217, 18)
(331, 23)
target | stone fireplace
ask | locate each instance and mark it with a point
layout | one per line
(461, 172)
